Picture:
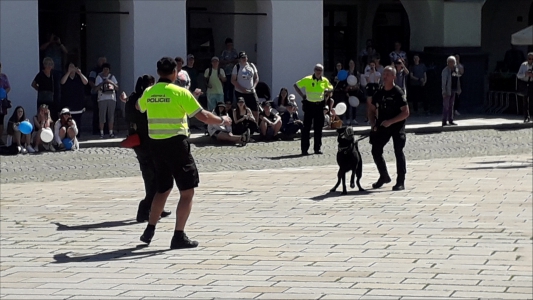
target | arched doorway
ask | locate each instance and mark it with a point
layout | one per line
(391, 24)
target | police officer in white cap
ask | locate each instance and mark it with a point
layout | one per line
(317, 89)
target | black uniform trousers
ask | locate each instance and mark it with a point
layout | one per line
(379, 139)
(147, 167)
(313, 117)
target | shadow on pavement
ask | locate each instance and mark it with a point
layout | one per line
(338, 194)
(123, 254)
(499, 167)
(110, 224)
(289, 156)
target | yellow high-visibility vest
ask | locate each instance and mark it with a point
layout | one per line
(314, 88)
(167, 107)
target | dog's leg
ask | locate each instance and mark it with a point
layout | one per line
(359, 173)
(344, 192)
(352, 179)
(338, 182)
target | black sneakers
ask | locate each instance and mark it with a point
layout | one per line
(381, 181)
(181, 241)
(147, 236)
(398, 187)
(144, 216)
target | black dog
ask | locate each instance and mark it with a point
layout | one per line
(348, 159)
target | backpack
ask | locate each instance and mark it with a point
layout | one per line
(209, 76)
(107, 88)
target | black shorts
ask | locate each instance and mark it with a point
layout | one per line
(371, 89)
(249, 99)
(173, 161)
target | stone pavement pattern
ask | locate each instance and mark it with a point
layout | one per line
(462, 230)
(116, 162)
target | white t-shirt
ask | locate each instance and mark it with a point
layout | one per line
(108, 95)
(245, 76)
(371, 77)
(216, 84)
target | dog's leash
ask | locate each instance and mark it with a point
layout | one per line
(362, 138)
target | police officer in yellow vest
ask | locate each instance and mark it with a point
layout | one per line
(167, 107)
(317, 90)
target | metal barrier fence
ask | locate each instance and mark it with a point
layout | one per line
(498, 102)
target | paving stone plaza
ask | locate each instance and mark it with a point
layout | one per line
(269, 229)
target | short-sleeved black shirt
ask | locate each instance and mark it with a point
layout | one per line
(389, 104)
(74, 93)
(271, 117)
(45, 83)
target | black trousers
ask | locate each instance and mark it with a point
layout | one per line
(528, 96)
(379, 139)
(148, 173)
(313, 117)
(417, 95)
(240, 128)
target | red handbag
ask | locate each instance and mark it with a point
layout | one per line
(131, 141)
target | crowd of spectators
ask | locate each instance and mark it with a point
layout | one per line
(232, 88)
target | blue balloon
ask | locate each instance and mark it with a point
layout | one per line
(3, 94)
(67, 143)
(342, 75)
(25, 127)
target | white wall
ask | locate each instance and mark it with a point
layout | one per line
(462, 24)
(500, 21)
(19, 51)
(297, 45)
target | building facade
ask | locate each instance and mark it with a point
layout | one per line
(285, 39)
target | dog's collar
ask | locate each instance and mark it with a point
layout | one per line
(345, 148)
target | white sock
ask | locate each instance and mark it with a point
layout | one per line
(101, 132)
(110, 131)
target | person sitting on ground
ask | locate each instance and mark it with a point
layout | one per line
(42, 120)
(270, 123)
(327, 118)
(280, 103)
(14, 133)
(65, 131)
(290, 121)
(243, 119)
(222, 132)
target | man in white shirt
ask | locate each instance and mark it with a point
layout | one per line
(215, 77)
(245, 78)
(525, 84)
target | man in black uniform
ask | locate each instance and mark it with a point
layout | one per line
(387, 114)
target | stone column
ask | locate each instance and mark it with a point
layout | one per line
(296, 45)
(19, 51)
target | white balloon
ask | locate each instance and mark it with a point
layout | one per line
(352, 80)
(340, 109)
(47, 135)
(354, 101)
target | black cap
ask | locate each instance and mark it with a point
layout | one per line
(221, 104)
(242, 54)
(265, 103)
(240, 99)
(166, 65)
